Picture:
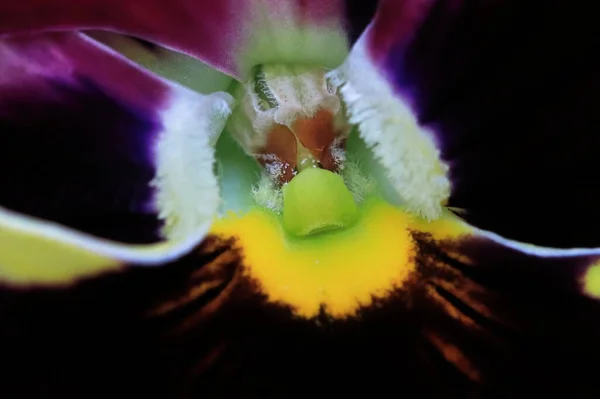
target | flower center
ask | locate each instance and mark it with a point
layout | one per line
(327, 229)
(289, 118)
(291, 121)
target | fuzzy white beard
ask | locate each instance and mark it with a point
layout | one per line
(187, 188)
(388, 126)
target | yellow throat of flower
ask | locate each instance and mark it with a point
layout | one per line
(342, 270)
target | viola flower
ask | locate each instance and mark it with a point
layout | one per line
(265, 198)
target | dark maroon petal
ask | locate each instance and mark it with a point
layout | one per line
(117, 335)
(511, 321)
(509, 89)
(474, 323)
(230, 35)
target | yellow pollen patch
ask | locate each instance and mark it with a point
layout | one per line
(342, 270)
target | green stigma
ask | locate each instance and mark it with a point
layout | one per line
(317, 200)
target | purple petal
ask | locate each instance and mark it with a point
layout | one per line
(508, 87)
(200, 27)
(230, 35)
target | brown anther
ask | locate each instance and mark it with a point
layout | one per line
(310, 140)
(315, 133)
(280, 152)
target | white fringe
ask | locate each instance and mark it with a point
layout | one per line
(389, 128)
(187, 188)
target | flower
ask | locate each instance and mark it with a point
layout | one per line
(122, 267)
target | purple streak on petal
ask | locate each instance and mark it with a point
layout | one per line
(77, 129)
(206, 29)
(33, 59)
(508, 87)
